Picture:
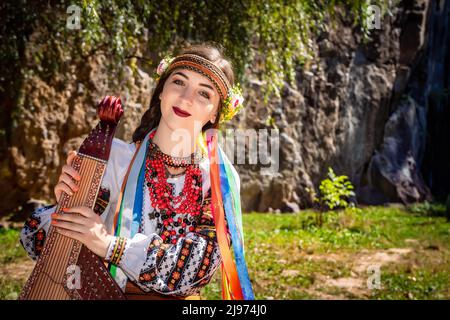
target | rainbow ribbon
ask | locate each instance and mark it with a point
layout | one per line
(225, 202)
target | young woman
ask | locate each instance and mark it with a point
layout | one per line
(185, 189)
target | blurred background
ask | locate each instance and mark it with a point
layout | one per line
(359, 91)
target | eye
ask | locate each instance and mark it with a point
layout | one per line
(204, 94)
(178, 81)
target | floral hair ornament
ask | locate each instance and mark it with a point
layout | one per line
(232, 104)
(232, 97)
(162, 67)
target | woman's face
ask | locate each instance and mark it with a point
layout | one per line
(188, 101)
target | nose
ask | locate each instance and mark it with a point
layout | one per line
(187, 96)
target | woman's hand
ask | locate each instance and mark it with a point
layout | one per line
(84, 225)
(66, 179)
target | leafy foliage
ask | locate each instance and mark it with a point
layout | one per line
(334, 193)
(271, 35)
(336, 190)
(273, 39)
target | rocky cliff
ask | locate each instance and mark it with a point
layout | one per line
(375, 111)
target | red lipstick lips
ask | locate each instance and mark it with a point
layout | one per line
(181, 113)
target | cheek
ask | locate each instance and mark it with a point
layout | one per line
(166, 101)
(205, 112)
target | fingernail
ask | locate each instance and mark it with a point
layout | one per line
(64, 209)
(53, 221)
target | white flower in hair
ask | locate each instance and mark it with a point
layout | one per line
(163, 65)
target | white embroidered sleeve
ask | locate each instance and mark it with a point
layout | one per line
(35, 229)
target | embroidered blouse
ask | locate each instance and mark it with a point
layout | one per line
(180, 268)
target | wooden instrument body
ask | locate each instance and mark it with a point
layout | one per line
(66, 269)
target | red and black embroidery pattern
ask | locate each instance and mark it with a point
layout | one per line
(206, 261)
(102, 200)
(33, 222)
(149, 274)
(39, 239)
(183, 258)
(207, 227)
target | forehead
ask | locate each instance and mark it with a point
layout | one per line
(195, 77)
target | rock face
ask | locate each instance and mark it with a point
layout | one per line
(361, 108)
(393, 171)
(411, 157)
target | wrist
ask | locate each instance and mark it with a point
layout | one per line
(108, 250)
(116, 250)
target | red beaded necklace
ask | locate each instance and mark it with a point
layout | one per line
(162, 194)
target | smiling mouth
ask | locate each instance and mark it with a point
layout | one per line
(180, 112)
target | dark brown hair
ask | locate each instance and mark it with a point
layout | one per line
(152, 116)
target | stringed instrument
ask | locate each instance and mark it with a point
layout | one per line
(66, 269)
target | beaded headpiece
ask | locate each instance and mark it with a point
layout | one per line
(231, 96)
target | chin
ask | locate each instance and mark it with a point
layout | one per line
(176, 123)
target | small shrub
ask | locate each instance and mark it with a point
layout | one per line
(335, 192)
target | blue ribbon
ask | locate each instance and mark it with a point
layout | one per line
(137, 208)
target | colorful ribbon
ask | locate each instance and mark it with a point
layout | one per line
(225, 202)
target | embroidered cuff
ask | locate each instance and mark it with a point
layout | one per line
(116, 250)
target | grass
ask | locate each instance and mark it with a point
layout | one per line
(11, 249)
(421, 285)
(11, 252)
(290, 257)
(10, 288)
(279, 242)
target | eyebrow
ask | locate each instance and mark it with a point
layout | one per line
(202, 84)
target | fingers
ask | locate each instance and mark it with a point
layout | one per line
(60, 187)
(69, 182)
(69, 226)
(71, 172)
(66, 179)
(84, 211)
(70, 217)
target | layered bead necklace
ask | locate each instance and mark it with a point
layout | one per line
(161, 193)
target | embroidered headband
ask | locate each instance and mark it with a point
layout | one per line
(232, 99)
